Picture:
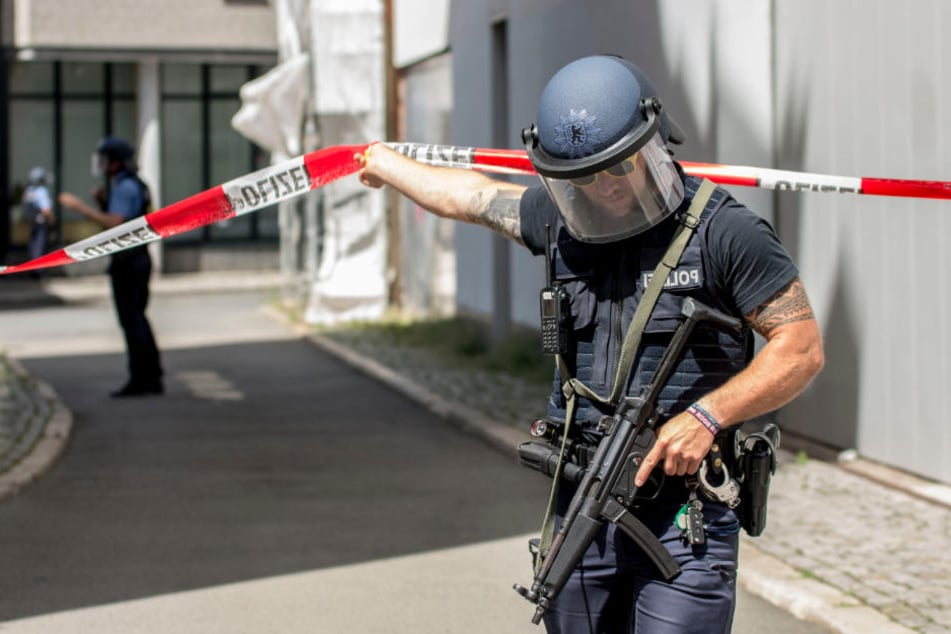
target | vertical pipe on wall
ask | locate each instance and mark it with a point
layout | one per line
(501, 249)
(58, 145)
(5, 157)
(391, 199)
(107, 97)
(206, 137)
(149, 133)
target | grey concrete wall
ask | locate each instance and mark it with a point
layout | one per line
(851, 88)
(712, 70)
(862, 89)
(710, 61)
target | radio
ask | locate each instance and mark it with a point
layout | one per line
(555, 313)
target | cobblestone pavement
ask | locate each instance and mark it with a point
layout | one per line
(21, 406)
(34, 427)
(502, 397)
(880, 547)
(887, 549)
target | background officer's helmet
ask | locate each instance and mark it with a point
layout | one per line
(600, 147)
(37, 176)
(112, 149)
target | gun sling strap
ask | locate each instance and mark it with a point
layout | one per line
(572, 388)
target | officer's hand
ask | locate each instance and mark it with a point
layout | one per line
(99, 195)
(682, 442)
(70, 201)
(368, 165)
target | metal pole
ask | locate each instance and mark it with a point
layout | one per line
(391, 198)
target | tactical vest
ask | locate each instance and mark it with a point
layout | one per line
(31, 211)
(605, 283)
(138, 254)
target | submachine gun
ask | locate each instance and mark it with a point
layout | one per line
(606, 491)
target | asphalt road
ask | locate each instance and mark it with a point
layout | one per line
(272, 489)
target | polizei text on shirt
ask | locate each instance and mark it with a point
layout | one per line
(679, 278)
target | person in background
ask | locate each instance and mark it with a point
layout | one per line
(130, 270)
(38, 211)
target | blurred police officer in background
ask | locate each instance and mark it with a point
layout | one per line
(610, 200)
(128, 197)
(38, 212)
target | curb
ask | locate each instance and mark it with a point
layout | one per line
(44, 453)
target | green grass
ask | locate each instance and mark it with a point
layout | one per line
(463, 341)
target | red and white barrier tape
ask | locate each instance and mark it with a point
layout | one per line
(237, 197)
(293, 177)
(516, 162)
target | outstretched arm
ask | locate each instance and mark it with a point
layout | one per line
(104, 219)
(448, 192)
(784, 368)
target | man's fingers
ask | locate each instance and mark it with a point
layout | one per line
(673, 467)
(644, 471)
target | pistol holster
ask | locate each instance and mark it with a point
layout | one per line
(756, 464)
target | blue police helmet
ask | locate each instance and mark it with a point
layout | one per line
(600, 146)
(115, 148)
(602, 107)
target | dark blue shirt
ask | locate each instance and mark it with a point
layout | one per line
(125, 199)
(749, 263)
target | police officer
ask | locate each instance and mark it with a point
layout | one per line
(611, 198)
(129, 270)
(38, 211)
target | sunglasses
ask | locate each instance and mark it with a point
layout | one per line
(624, 168)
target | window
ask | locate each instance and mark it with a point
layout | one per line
(200, 149)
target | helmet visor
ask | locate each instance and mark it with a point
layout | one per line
(97, 165)
(621, 200)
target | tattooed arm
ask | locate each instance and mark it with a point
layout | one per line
(451, 193)
(783, 368)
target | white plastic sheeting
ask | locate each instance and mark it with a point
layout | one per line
(273, 107)
(327, 89)
(347, 48)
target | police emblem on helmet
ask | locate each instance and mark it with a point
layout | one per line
(576, 134)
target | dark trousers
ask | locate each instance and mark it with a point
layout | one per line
(616, 589)
(130, 292)
(39, 233)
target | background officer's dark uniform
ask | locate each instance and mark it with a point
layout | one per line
(130, 271)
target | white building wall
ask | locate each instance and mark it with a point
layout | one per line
(198, 25)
